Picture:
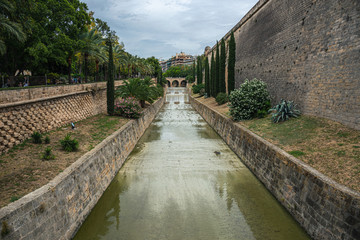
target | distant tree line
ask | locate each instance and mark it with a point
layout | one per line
(64, 38)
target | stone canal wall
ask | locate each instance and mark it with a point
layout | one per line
(57, 210)
(324, 208)
(306, 51)
(18, 120)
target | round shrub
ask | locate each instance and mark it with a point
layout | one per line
(246, 101)
(222, 98)
(128, 107)
(197, 88)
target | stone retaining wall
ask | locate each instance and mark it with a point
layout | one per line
(26, 94)
(57, 210)
(324, 208)
(19, 120)
(306, 51)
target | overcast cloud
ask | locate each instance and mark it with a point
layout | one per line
(162, 28)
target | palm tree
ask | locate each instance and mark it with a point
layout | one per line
(8, 27)
(141, 89)
(92, 46)
(120, 57)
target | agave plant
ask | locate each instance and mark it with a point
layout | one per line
(283, 111)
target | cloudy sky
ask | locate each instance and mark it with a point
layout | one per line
(162, 28)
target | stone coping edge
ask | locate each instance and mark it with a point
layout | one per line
(322, 206)
(25, 211)
(89, 88)
(15, 104)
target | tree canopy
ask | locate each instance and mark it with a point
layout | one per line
(63, 37)
(179, 71)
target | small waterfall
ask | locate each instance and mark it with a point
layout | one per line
(177, 95)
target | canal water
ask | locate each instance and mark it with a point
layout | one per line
(183, 182)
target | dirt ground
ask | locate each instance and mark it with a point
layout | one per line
(22, 169)
(330, 147)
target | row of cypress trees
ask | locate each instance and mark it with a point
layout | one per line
(215, 73)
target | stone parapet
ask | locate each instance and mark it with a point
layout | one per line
(324, 208)
(57, 210)
(26, 94)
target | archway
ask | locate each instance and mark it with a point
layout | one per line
(168, 83)
(175, 83)
(183, 83)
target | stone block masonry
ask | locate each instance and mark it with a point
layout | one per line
(324, 208)
(307, 51)
(57, 210)
(26, 94)
(18, 120)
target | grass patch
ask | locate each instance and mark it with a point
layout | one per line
(340, 153)
(24, 168)
(343, 134)
(293, 131)
(14, 198)
(297, 153)
(333, 145)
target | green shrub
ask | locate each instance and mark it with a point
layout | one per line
(197, 88)
(284, 111)
(246, 101)
(264, 111)
(47, 140)
(159, 91)
(127, 107)
(14, 198)
(36, 137)
(141, 89)
(222, 98)
(47, 155)
(68, 144)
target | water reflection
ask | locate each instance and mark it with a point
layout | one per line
(183, 182)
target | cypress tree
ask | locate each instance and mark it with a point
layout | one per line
(159, 77)
(193, 72)
(231, 64)
(199, 70)
(212, 76)
(207, 76)
(222, 85)
(110, 82)
(217, 69)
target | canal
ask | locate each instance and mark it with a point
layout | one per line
(183, 182)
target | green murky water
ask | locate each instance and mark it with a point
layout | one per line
(174, 186)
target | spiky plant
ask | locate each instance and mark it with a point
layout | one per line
(284, 111)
